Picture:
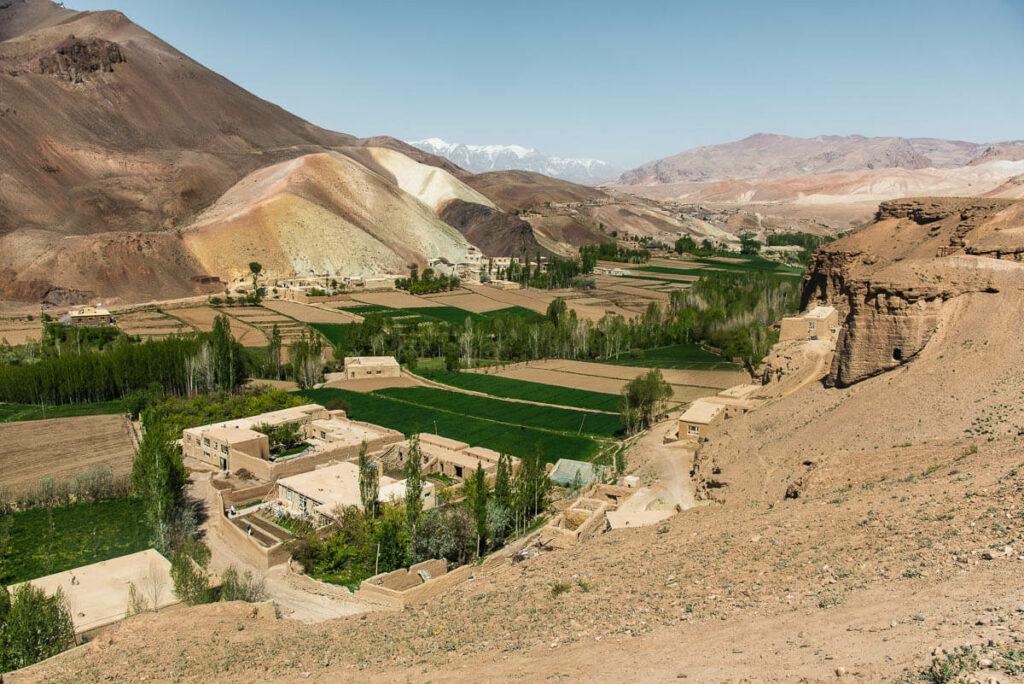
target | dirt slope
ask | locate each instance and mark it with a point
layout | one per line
(850, 532)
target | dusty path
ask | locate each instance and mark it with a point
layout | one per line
(664, 468)
(297, 596)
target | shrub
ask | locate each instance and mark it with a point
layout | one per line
(243, 586)
(191, 584)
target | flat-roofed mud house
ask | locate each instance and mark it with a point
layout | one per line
(326, 436)
(820, 323)
(696, 421)
(358, 367)
(88, 317)
(320, 492)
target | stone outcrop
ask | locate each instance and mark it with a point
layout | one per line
(72, 59)
(894, 280)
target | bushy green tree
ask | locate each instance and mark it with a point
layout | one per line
(446, 533)
(242, 586)
(188, 573)
(392, 539)
(642, 399)
(33, 627)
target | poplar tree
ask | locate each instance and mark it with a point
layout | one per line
(369, 483)
(413, 489)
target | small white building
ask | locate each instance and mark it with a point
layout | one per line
(359, 367)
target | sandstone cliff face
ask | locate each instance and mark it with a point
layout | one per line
(895, 280)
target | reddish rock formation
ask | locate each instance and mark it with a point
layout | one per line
(75, 57)
(893, 281)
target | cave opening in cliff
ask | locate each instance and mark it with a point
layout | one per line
(897, 354)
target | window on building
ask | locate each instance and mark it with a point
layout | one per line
(692, 430)
(811, 325)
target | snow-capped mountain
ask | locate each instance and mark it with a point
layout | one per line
(480, 158)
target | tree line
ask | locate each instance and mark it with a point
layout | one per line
(184, 365)
(733, 312)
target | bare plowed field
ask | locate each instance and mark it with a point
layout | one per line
(151, 324)
(719, 379)
(201, 317)
(536, 301)
(308, 313)
(396, 300)
(474, 302)
(598, 377)
(61, 447)
(19, 333)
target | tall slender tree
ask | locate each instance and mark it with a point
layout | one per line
(413, 489)
(369, 482)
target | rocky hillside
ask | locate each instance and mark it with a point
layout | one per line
(899, 280)
(132, 172)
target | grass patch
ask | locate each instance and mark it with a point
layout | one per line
(530, 415)
(676, 356)
(43, 541)
(337, 334)
(10, 413)
(409, 419)
(363, 309)
(498, 386)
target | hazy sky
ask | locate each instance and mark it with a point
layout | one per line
(622, 81)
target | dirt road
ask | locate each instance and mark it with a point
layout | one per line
(297, 596)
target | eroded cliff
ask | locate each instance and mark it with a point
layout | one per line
(894, 280)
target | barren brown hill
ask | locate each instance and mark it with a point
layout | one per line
(526, 190)
(118, 151)
(850, 533)
(494, 232)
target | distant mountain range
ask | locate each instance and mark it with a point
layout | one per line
(766, 155)
(832, 178)
(482, 158)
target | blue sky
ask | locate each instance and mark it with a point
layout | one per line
(622, 81)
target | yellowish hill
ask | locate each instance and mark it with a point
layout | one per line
(327, 212)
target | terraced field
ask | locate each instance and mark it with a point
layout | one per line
(507, 437)
(531, 415)
(151, 325)
(678, 356)
(498, 386)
